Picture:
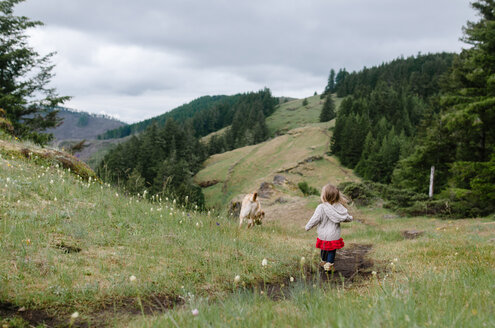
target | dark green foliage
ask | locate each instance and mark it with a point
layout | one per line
(205, 115)
(375, 125)
(307, 190)
(330, 88)
(305, 102)
(248, 124)
(163, 159)
(179, 114)
(461, 140)
(328, 110)
(25, 74)
(421, 75)
(359, 193)
(159, 160)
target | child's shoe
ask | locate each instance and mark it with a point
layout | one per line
(322, 264)
(328, 267)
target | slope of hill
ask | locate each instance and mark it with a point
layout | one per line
(82, 125)
(292, 114)
(77, 253)
(298, 153)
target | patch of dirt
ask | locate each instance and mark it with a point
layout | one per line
(68, 249)
(208, 183)
(305, 161)
(33, 317)
(265, 190)
(351, 265)
(412, 234)
(280, 180)
(151, 305)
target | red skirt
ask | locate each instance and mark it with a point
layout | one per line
(325, 245)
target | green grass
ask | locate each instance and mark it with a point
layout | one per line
(242, 170)
(445, 278)
(293, 114)
(166, 247)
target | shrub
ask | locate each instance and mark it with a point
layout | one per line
(307, 190)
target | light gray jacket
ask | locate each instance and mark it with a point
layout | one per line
(328, 218)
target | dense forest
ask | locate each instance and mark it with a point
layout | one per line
(384, 106)
(400, 119)
(163, 159)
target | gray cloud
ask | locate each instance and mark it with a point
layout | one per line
(139, 59)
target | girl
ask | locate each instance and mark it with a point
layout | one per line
(328, 217)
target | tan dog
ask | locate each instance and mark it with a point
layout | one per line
(251, 210)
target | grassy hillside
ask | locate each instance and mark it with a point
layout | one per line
(293, 114)
(70, 245)
(243, 170)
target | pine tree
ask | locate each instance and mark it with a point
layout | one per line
(330, 88)
(328, 110)
(470, 102)
(24, 77)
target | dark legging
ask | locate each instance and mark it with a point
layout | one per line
(328, 256)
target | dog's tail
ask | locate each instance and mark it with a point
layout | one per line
(255, 195)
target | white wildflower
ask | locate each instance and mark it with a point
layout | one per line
(264, 262)
(197, 224)
(303, 259)
(237, 279)
(195, 312)
(291, 279)
(8, 179)
(116, 195)
(55, 199)
(396, 260)
(373, 273)
(74, 315)
(132, 278)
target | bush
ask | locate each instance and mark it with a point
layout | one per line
(452, 202)
(359, 193)
(307, 190)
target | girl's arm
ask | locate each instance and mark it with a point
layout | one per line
(315, 219)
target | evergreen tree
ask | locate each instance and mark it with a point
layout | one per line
(328, 110)
(24, 78)
(330, 88)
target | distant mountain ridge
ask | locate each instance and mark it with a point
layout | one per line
(82, 125)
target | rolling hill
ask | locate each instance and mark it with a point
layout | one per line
(80, 253)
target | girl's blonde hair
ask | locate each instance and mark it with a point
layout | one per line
(330, 194)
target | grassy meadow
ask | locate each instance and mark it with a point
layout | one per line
(79, 253)
(293, 114)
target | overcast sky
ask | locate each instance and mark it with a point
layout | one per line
(138, 59)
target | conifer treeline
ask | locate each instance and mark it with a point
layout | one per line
(401, 119)
(379, 118)
(162, 160)
(179, 114)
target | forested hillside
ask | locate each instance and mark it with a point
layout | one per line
(403, 118)
(384, 107)
(164, 159)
